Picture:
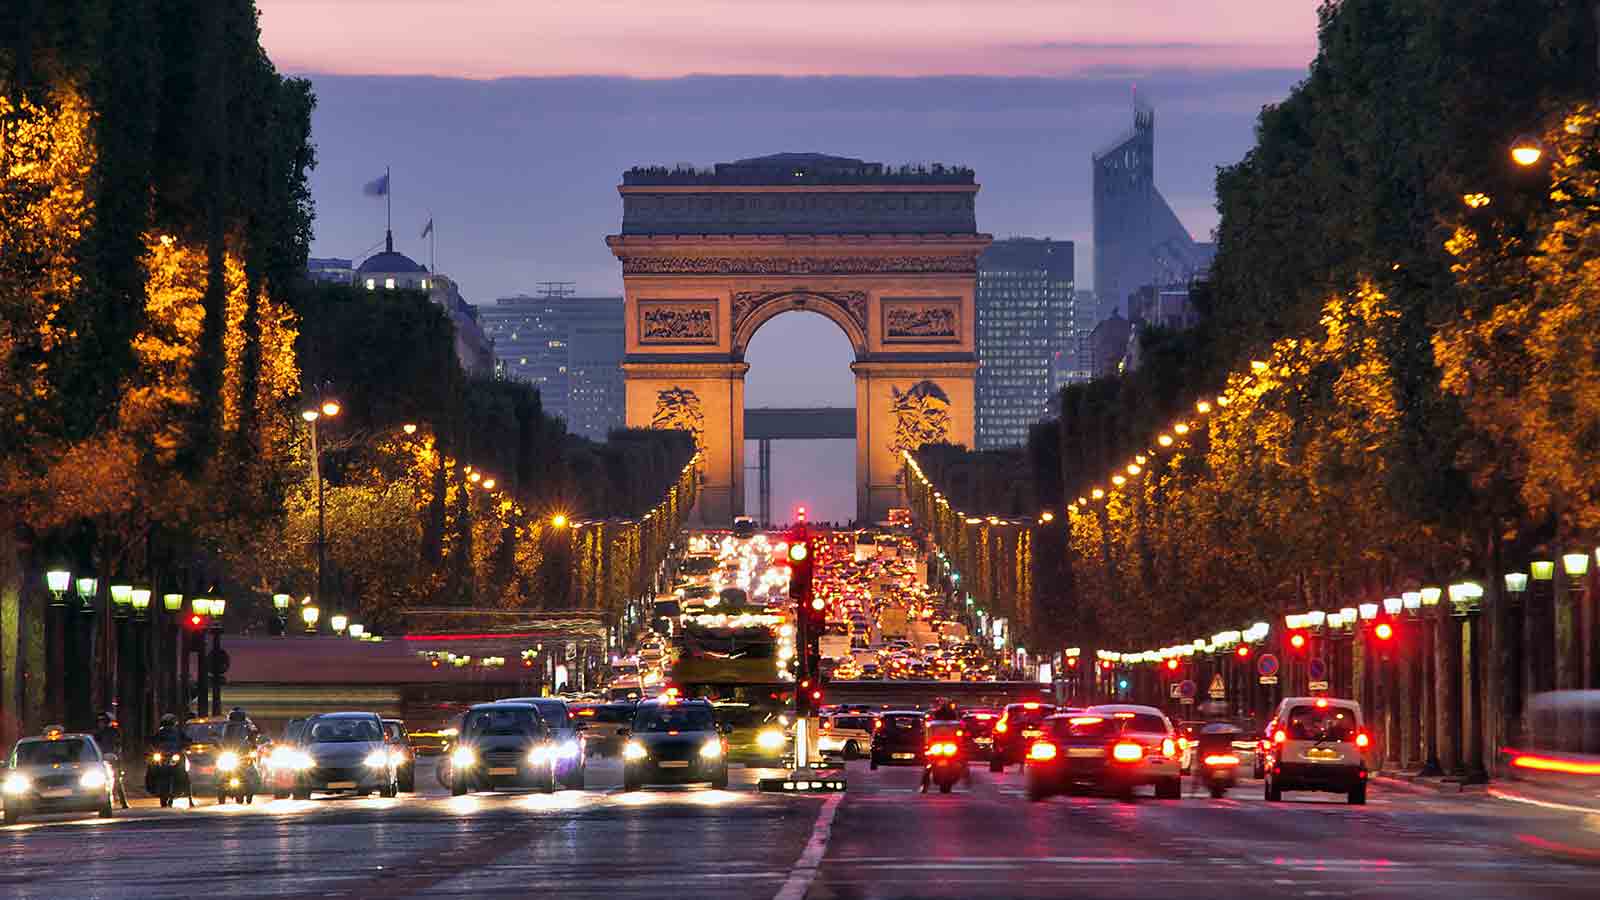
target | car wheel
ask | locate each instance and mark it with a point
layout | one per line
(1358, 796)
(458, 787)
(408, 781)
(629, 783)
(221, 798)
(1037, 789)
(1125, 793)
(721, 781)
(1169, 789)
(852, 750)
(997, 765)
(1274, 795)
(302, 793)
(280, 795)
(573, 781)
(873, 765)
(107, 809)
(1218, 792)
(946, 787)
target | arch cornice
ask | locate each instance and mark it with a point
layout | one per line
(847, 309)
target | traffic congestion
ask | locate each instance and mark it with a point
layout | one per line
(689, 741)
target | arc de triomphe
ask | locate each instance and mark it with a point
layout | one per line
(888, 254)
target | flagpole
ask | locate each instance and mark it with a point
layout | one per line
(388, 202)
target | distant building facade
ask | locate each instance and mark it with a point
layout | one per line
(331, 270)
(1138, 240)
(391, 271)
(571, 349)
(1026, 323)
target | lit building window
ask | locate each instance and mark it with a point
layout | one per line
(388, 284)
(372, 283)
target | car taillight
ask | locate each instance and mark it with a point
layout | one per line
(942, 749)
(1168, 748)
(1279, 737)
(1183, 743)
(1222, 759)
(1362, 740)
(1001, 727)
(1127, 752)
(827, 725)
(1042, 751)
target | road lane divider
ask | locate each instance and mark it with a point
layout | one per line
(805, 869)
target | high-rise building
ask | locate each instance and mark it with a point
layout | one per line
(1138, 240)
(1026, 326)
(570, 348)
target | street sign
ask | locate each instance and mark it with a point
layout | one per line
(1217, 690)
(1319, 685)
(1269, 679)
(1317, 669)
(1177, 691)
(1187, 689)
(1267, 665)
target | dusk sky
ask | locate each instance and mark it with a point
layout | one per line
(510, 122)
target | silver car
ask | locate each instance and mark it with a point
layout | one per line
(56, 772)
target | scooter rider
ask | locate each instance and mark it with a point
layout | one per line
(109, 738)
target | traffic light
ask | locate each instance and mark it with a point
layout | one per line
(1172, 665)
(1384, 631)
(1297, 641)
(800, 567)
(1243, 651)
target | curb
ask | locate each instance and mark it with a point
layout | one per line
(1428, 784)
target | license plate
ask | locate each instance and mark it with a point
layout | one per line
(1030, 732)
(674, 764)
(56, 793)
(1086, 752)
(503, 770)
(985, 740)
(340, 785)
(904, 756)
(206, 770)
(1323, 755)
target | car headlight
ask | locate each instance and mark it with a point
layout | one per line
(157, 758)
(377, 759)
(93, 778)
(634, 750)
(540, 755)
(227, 762)
(17, 783)
(569, 750)
(712, 749)
(397, 758)
(464, 757)
(770, 739)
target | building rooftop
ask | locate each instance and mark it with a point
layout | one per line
(798, 169)
(390, 261)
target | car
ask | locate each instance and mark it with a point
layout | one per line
(744, 527)
(405, 757)
(503, 745)
(898, 739)
(211, 754)
(673, 741)
(1019, 724)
(571, 759)
(1113, 748)
(57, 771)
(603, 725)
(1188, 736)
(1318, 744)
(977, 732)
(345, 752)
(845, 734)
(285, 760)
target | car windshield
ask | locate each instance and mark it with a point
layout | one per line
(52, 753)
(902, 723)
(393, 731)
(345, 731)
(553, 714)
(1085, 727)
(507, 720)
(1144, 724)
(235, 734)
(857, 723)
(203, 732)
(613, 714)
(1022, 715)
(673, 718)
(980, 724)
(1325, 723)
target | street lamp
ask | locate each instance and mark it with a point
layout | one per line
(1369, 611)
(121, 599)
(1412, 601)
(201, 606)
(1576, 565)
(313, 414)
(338, 621)
(87, 587)
(1525, 151)
(141, 602)
(58, 580)
(309, 615)
(1393, 605)
(172, 602)
(357, 630)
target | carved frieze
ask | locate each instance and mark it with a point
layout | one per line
(679, 409)
(921, 416)
(677, 321)
(851, 303)
(786, 265)
(922, 320)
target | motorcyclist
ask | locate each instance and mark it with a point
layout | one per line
(108, 735)
(168, 735)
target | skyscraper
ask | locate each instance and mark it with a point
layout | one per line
(570, 348)
(1138, 240)
(1026, 329)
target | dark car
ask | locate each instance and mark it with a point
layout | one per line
(346, 753)
(503, 745)
(567, 732)
(405, 756)
(1113, 748)
(1019, 724)
(977, 732)
(604, 724)
(674, 742)
(899, 739)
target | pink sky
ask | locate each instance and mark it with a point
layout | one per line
(666, 38)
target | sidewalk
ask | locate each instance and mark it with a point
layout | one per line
(1416, 781)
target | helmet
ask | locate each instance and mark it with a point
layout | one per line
(105, 718)
(237, 714)
(169, 719)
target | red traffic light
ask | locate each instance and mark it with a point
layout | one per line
(1172, 665)
(1297, 640)
(1384, 631)
(196, 620)
(800, 514)
(1243, 651)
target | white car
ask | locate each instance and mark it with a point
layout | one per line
(846, 735)
(56, 772)
(1318, 744)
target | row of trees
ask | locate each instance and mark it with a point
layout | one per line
(159, 340)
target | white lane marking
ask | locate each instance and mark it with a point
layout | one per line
(805, 869)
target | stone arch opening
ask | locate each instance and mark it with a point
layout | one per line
(846, 309)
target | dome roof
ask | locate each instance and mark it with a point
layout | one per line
(389, 261)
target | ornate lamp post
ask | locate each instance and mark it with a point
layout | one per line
(280, 609)
(338, 621)
(1466, 600)
(58, 580)
(309, 615)
(1515, 675)
(1576, 566)
(324, 407)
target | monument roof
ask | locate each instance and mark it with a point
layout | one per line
(390, 261)
(798, 169)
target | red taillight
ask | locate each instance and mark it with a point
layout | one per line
(1127, 751)
(1168, 748)
(1279, 737)
(1042, 752)
(1322, 703)
(1001, 727)
(1222, 759)
(942, 749)
(1362, 740)
(827, 724)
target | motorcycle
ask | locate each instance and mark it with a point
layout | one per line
(167, 776)
(1215, 760)
(946, 765)
(238, 776)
